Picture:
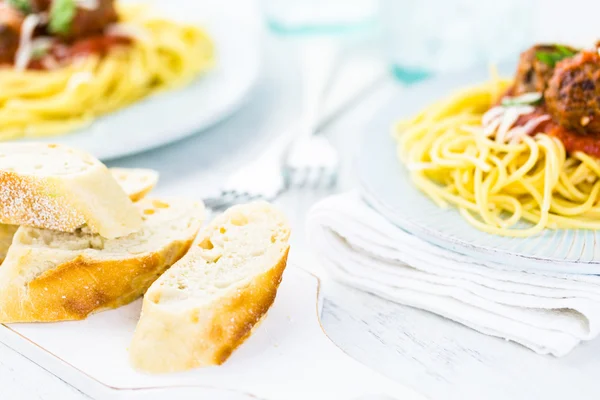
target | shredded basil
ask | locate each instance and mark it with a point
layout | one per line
(565, 50)
(550, 58)
(62, 13)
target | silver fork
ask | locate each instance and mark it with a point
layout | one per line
(308, 161)
(311, 161)
(261, 179)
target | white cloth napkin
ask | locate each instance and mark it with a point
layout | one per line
(549, 313)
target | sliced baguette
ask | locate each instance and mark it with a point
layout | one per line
(206, 305)
(135, 182)
(54, 276)
(56, 187)
(6, 236)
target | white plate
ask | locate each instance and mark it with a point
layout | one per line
(173, 115)
(387, 187)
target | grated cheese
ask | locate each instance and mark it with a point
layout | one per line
(25, 50)
(88, 4)
(128, 30)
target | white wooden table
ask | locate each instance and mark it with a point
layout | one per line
(439, 358)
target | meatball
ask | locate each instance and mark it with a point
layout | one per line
(533, 74)
(10, 32)
(90, 22)
(39, 5)
(573, 93)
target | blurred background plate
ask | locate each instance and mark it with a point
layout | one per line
(386, 186)
(173, 115)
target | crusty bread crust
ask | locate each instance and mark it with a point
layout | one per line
(51, 276)
(65, 202)
(81, 286)
(247, 308)
(7, 231)
(165, 341)
(39, 203)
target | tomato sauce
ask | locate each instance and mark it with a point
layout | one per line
(61, 53)
(96, 45)
(589, 144)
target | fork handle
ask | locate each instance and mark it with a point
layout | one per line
(318, 59)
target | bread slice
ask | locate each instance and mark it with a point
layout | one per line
(55, 276)
(206, 305)
(135, 182)
(6, 236)
(56, 187)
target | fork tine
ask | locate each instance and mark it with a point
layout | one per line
(312, 176)
(312, 164)
(327, 178)
(251, 197)
(330, 178)
(241, 197)
(300, 177)
(214, 203)
(232, 198)
(244, 197)
(226, 199)
(315, 175)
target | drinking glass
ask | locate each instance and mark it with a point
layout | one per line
(423, 37)
(320, 16)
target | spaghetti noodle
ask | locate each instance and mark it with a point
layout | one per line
(161, 55)
(496, 180)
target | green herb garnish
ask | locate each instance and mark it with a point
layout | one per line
(546, 58)
(550, 58)
(21, 5)
(565, 50)
(62, 13)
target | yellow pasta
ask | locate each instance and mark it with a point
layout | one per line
(494, 184)
(163, 55)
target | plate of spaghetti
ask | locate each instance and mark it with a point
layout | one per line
(115, 78)
(497, 168)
